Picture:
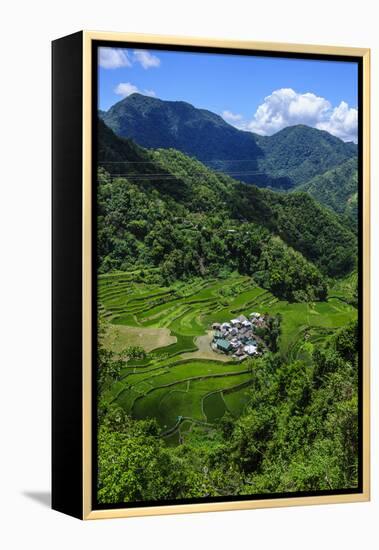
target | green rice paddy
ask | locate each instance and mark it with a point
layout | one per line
(183, 391)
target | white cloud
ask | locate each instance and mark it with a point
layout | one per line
(113, 58)
(285, 107)
(232, 118)
(343, 122)
(146, 59)
(125, 89)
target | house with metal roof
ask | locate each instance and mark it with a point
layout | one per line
(250, 350)
(224, 345)
(242, 318)
(237, 336)
(251, 342)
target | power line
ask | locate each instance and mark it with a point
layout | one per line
(152, 161)
(166, 176)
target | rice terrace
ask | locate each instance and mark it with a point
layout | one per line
(227, 279)
(186, 383)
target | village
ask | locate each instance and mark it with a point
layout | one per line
(239, 337)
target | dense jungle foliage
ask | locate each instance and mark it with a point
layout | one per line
(181, 245)
(298, 433)
(166, 209)
(337, 189)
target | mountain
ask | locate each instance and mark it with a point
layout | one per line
(337, 188)
(301, 152)
(154, 123)
(169, 210)
(288, 158)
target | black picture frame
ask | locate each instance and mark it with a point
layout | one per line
(73, 57)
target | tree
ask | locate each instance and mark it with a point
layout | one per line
(108, 368)
(134, 352)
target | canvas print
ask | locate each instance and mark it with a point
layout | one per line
(227, 275)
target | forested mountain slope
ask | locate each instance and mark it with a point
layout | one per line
(171, 211)
(286, 159)
(337, 188)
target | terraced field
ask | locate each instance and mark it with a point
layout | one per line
(182, 383)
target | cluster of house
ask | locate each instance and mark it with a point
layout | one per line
(237, 337)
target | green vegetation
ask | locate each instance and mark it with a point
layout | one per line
(192, 221)
(286, 159)
(299, 153)
(181, 247)
(337, 189)
(297, 431)
(176, 380)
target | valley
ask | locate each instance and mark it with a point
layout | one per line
(175, 381)
(227, 294)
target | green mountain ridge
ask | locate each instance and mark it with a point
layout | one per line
(181, 245)
(290, 157)
(170, 211)
(337, 189)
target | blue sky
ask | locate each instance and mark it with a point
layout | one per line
(253, 93)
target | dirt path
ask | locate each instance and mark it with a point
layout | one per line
(205, 351)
